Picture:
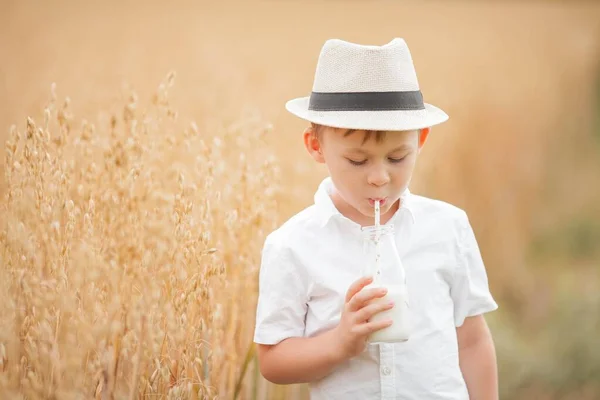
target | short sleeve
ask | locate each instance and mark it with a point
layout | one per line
(282, 295)
(470, 291)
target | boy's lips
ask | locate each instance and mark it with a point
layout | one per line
(382, 201)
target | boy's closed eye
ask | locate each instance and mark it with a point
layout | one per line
(393, 160)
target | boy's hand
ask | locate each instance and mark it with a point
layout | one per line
(354, 329)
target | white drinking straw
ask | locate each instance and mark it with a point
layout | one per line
(377, 236)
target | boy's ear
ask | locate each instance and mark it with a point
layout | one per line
(313, 146)
(423, 134)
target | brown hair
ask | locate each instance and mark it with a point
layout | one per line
(379, 135)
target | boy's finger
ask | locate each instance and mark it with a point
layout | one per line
(357, 286)
(363, 297)
(371, 327)
(366, 313)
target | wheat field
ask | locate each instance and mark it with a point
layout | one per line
(148, 153)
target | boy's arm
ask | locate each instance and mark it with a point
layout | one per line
(477, 357)
(301, 360)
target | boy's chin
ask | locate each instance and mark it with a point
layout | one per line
(370, 211)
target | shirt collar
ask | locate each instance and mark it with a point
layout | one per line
(327, 210)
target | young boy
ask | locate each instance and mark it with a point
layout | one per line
(368, 124)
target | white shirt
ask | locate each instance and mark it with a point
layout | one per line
(311, 260)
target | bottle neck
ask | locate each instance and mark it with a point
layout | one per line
(371, 233)
(379, 249)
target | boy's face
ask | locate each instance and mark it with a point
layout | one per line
(366, 170)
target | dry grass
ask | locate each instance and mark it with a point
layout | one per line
(129, 250)
(130, 243)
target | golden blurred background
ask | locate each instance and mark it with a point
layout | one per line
(520, 153)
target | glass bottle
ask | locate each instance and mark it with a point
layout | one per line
(383, 263)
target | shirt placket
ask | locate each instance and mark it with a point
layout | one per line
(387, 371)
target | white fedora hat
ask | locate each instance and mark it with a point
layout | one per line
(367, 88)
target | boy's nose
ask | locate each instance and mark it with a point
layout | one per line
(378, 177)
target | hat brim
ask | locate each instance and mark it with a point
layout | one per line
(400, 120)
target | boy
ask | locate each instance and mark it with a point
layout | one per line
(368, 124)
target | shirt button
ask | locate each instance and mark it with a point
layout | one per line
(386, 371)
